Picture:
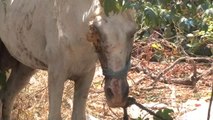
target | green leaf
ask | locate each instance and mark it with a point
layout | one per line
(157, 46)
(139, 118)
(150, 17)
(165, 114)
(115, 6)
(109, 6)
(164, 2)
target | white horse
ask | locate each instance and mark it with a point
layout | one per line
(66, 37)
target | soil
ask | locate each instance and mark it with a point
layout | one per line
(32, 102)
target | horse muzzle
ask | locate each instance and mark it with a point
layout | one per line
(116, 92)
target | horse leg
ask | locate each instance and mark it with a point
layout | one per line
(81, 90)
(20, 76)
(6, 62)
(56, 80)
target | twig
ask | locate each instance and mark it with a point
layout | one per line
(126, 117)
(146, 71)
(191, 80)
(207, 72)
(131, 79)
(184, 52)
(194, 78)
(185, 58)
(170, 67)
(132, 101)
(210, 104)
(114, 112)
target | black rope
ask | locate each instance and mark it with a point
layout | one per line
(125, 114)
(132, 101)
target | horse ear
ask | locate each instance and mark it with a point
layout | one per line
(92, 35)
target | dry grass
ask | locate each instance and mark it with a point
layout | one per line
(32, 102)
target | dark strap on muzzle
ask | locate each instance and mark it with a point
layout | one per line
(109, 73)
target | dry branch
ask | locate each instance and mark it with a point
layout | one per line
(170, 67)
(179, 60)
(207, 72)
(191, 80)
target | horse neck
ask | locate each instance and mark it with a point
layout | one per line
(75, 9)
(78, 6)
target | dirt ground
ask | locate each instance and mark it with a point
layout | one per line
(32, 102)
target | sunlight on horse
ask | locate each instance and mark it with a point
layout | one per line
(66, 38)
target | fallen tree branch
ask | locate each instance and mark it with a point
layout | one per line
(189, 80)
(170, 67)
(207, 72)
(178, 61)
(146, 71)
(192, 79)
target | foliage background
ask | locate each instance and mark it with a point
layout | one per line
(186, 24)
